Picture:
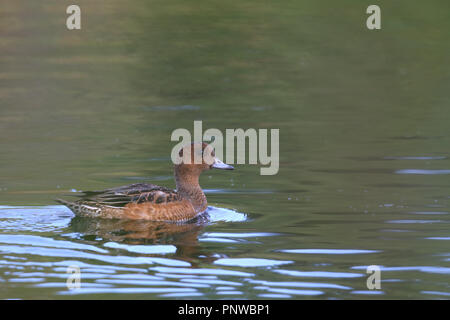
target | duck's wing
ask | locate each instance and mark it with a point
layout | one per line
(134, 193)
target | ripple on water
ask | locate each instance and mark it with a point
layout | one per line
(126, 290)
(296, 284)
(274, 296)
(27, 280)
(56, 219)
(411, 221)
(421, 171)
(46, 242)
(37, 219)
(62, 275)
(225, 215)
(318, 274)
(171, 108)
(163, 283)
(367, 292)
(229, 237)
(220, 272)
(135, 276)
(290, 291)
(67, 263)
(222, 293)
(437, 293)
(328, 251)
(68, 253)
(250, 262)
(181, 295)
(111, 270)
(219, 240)
(428, 212)
(317, 285)
(416, 158)
(183, 276)
(145, 249)
(426, 269)
(240, 234)
(64, 285)
(212, 282)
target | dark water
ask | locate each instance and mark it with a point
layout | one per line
(364, 147)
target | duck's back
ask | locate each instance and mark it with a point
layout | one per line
(136, 201)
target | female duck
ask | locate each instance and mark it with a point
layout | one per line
(141, 201)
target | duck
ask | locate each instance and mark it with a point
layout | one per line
(145, 201)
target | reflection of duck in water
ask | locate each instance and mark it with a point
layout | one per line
(143, 201)
(135, 232)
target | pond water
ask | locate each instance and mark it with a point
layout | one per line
(364, 173)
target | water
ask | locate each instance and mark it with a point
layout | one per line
(364, 147)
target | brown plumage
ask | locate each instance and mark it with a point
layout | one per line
(142, 201)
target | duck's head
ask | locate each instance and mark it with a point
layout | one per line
(198, 157)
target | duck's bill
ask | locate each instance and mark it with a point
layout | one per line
(218, 164)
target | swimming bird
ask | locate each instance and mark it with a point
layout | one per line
(142, 201)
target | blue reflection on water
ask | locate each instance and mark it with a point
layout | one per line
(328, 251)
(250, 262)
(421, 171)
